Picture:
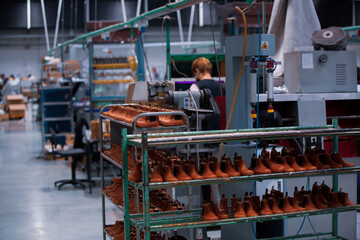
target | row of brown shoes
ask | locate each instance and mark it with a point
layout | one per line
(117, 232)
(159, 199)
(129, 112)
(320, 197)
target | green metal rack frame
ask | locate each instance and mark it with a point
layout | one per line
(150, 222)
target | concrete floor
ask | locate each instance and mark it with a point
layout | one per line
(30, 206)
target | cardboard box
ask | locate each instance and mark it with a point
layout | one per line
(14, 99)
(17, 110)
(4, 117)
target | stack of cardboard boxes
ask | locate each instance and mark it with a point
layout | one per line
(15, 106)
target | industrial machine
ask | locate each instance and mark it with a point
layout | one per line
(199, 106)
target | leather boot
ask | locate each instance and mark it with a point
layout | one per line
(229, 168)
(334, 200)
(234, 202)
(260, 167)
(156, 175)
(344, 199)
(273, 154)
(325, 191)
(306, 163)
(249, 210)
(265, 208)
(275, 206)
(216, 169)
(274, 167)
(135, 174)
(308, 203)
(244, 171)
(293, 201)
(192, 172)
(315, 199)
(314, 159)
(282, 161)
(218, 212)
(207, 173)
(339, 160)
(256, 202)
(223, 205)
(326, 159)
(207, 213)
(169, 175)
(292, 163)
(287, 207)
(181, 174)
(237, 159)
(240, 211)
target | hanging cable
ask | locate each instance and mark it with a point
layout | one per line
(145, 57)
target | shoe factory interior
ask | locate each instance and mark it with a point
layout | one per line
(180, 119)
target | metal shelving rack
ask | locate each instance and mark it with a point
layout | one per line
(119, 125)
(47, 106)
(151, 222)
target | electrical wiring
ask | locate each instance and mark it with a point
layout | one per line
(239, 78)
(146, 59)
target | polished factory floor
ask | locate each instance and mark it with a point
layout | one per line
(31, 207)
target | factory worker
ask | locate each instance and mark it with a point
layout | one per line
(11, 87)
(202, 68)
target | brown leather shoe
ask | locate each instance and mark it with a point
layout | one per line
(314, 159)
(207, 173)
(192, 171)
(234, 202)
(241, 167)
(326, 159)
(274, 206)
(135, 174)
(217, 211)
(207, 213)
(181, 174)
(292, 163)
(308, 203)
(287, 207)
(265, 208)
(274, 167)
(339, 160)
(306, 163)
(260, 168)
(240, 211)
(169, 174)
(216, 169)
(156, 175)
(282, 161)
(334, 200)
(344, 199)
(223, 205)
(229, 168)
(249, 210)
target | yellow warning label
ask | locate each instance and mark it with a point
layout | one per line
(265, 45)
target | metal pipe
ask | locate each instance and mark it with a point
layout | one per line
(201, 14)
(45, 24)
(191, 23)
(270, 86)
(28, 11)
(123, 10)
(353, 13)
(253, 83)
(57, 23)
(180, 26)
(264, 17)
(168, 8)
(138, 7)
(168, 63)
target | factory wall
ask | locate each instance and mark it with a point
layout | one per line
(20, 60)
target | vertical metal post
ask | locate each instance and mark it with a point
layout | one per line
(353, 13)
(138, 7)
(140, 71)
(91, 52)
(335, 179)
(168, 63)
(145, 180)
(123, 10)
(87, 13)
(264, 17)
(45, 24)
(191, 23)
(102, 180)
(126, 184)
